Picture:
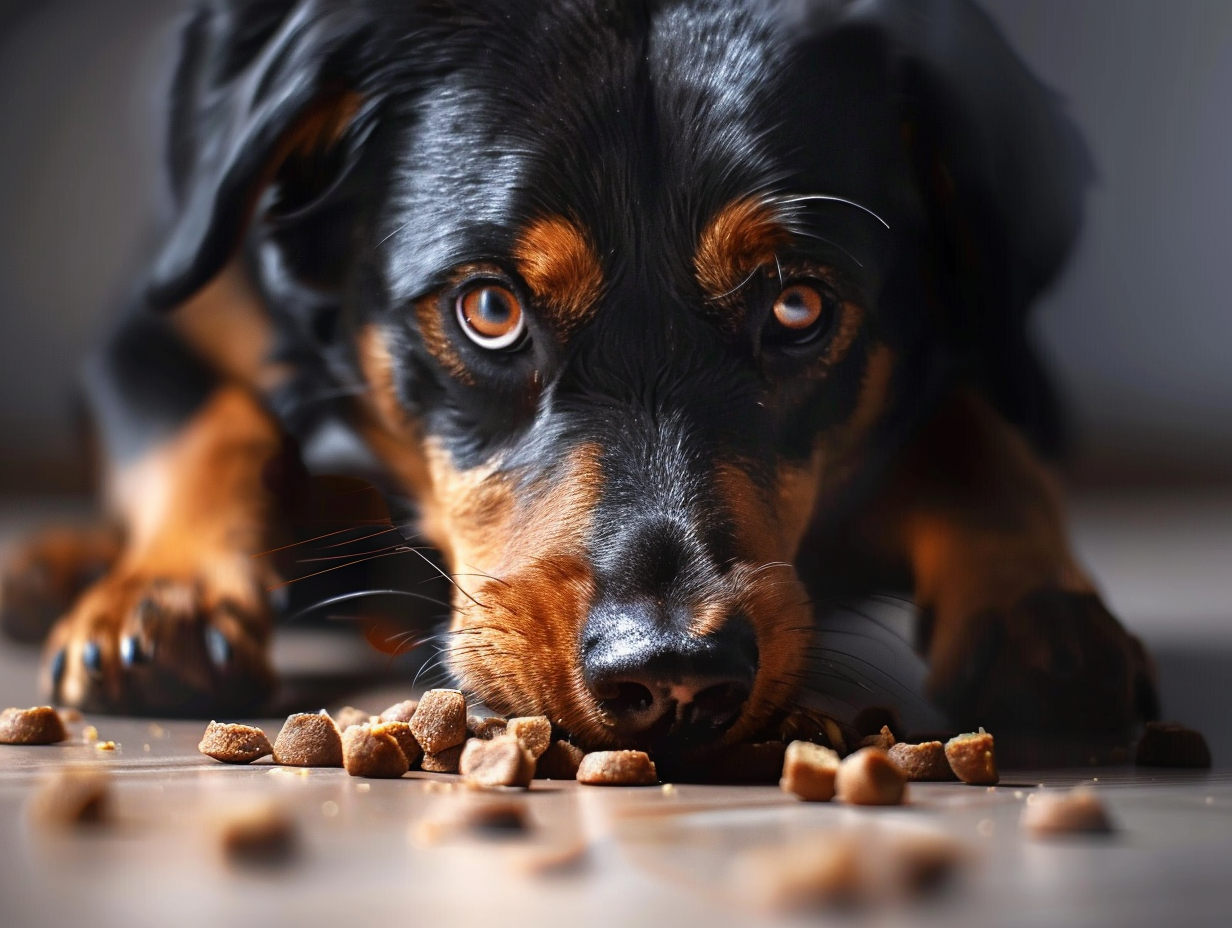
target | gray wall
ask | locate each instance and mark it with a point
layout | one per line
(1138, 329)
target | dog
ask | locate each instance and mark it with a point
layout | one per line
(668, 318)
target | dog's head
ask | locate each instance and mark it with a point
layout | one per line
(636, 289)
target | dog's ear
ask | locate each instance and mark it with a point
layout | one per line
(1002, 171)
(267, 110)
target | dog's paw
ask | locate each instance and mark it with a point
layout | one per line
(44, 575)
(1055, 662)
(158, 645)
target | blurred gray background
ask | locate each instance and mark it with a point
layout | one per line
(1137, 330)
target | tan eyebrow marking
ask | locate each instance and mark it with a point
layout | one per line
(558, 262)
(741, 238)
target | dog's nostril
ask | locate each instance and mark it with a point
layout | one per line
(624, 698)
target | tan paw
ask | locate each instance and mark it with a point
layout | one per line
(44, 576)
(160, 646)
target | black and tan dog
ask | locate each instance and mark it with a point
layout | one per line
(667, 314)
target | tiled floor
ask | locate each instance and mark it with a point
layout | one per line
(382, 852)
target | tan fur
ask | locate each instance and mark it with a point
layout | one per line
(558, 262)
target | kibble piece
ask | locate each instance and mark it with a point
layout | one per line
(503, 761)
(534, 731)
(802, 874)
(1074, 811)
(40, 725)
(264, 836)
(617, 768)
(560, 761)
(400, 711)
(973, 758)
(72, 796)
(884, 739)
(445, 761)
(809, 771)
(485, 728)
(440, 720)
(308, 740)
(372, 752)
(401, 732)
(234, 744)
(347, 716)
(869, 778)
(1167, 744)
(923, 762)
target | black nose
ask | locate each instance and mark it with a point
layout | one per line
(656, 682)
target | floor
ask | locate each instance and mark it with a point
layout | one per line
(394, 850)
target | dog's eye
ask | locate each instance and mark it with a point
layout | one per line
(802, 313)
(491, 316)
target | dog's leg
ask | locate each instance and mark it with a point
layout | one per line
(1014, 630)
(180, 623)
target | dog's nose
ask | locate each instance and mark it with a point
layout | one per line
(656, 682)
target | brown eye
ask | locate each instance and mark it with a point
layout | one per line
(799, 307)
(491, 316)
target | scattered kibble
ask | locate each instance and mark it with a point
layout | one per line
(233, 744)
(308, 740)
(809, 771)
(39, 725)
(1167, 744)
(617, 768)
(400, 711)
(922, 762)
(263, 836)
(502, 761)
(371, 751)
(445, 761)
(401, 732)
(1075, 811)
(347, 716)
(973, 758)
(869, 778)
(884, 739)
(560, 761)
(70, 797)
(439, 722)
(534, 732)
(485, 727)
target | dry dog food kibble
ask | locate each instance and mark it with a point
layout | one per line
(439, 722)
(617, 768)
(560, 761)
(1167, 744)
(884, 739)
(40, 725)
(973, 758)
(445, 761)
(400, 712)
(503, 761)
(308, 740)
(264, 836)
(922, 762)
(869, 778)
(73, 796)
(809, 771)
(234, 744)
(486, 728)
(347, 716)
(801, 874)
(534, 732)
(369, 751)
(1074, 811)
(402, 733)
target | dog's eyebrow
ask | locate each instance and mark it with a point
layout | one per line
(558, 262)
(739, 239)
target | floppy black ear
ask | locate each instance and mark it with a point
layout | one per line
(262, 87)
(1002, 171)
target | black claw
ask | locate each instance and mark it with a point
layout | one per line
(92, 657)
(131, 651)
(57, 668)
(218, 646)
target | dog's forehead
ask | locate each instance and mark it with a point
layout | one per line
(640, 125)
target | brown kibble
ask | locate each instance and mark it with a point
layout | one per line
(39, 725)
(400, 711)
(1167, 744)
(264, 836)
(809, 771)
(533, 731)
(401, 732)
(370, 751)
(445, 761)
(1075, 811)
(869, 778)
(439, 722)
(883, 739)
(560, 761)
(308, 740)
(72, 796)
(923, 762)
(232, 743)
(485, 728)
(617, 768)
(503, 761)
(801, 875)
(347, 716)
(973, 758)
